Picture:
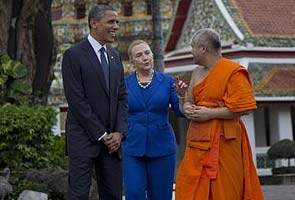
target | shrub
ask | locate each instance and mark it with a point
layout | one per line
(26, 136)
(283, 149)
(57, 156)
(283, 170)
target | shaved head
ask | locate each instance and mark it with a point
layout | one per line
(208, 38)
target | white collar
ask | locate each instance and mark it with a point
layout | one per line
(95, 44)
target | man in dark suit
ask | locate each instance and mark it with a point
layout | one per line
(93, 79)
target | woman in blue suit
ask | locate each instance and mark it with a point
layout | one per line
(149, 152)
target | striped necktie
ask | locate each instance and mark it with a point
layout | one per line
(105, 66)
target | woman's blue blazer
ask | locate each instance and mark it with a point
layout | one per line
(149, 131)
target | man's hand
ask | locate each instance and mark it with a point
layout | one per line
(189, 109)
(202, 113)
(113, 141)
(198, 113)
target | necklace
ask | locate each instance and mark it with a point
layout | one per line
(147, 84)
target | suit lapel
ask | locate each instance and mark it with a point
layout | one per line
(89, 52)
(134, 90)
(156, 82)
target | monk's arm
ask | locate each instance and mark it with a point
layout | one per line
(225, 113)
(203, 113)
(187, 104)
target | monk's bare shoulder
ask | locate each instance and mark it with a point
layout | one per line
(198, 74)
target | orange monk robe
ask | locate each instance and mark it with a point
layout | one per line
(218, 161)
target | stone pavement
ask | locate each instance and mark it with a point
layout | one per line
(276, 192)
(279, 192)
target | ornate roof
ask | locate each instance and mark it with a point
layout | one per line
(177, 24)
(269, 18)
(264, 23)
(203, 14)
(273, 79)
(254, 22)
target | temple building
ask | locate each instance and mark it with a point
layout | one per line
(258, 34)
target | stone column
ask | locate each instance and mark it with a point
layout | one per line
(249, 124)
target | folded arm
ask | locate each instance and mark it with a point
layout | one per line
(202, 113)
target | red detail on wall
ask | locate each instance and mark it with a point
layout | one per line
(181, 14)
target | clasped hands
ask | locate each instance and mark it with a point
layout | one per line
(197, 113)
(113, 141)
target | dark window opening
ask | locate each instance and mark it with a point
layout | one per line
(148, 6)
(267, 125)
(127, 9)
(56, 13)
(104, 2)
(80, 10)
(293, 121)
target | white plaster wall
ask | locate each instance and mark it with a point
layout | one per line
(285, 123)
(280, 123)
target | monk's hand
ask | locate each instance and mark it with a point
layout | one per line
(202, 113)
(180, 87)
(113, 141)
(189, 110)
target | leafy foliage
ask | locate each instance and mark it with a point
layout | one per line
(14, 87)
(283, 149)
(26, 136)
(57, 155)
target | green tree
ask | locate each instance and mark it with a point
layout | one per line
(157, 42)
(27, 36)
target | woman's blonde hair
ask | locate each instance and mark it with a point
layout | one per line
(133, 44)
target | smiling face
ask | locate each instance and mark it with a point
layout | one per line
(142, 57)
(104, 30)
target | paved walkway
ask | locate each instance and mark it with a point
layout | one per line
(276, 192)
(279, 192)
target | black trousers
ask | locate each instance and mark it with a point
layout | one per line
(108, 169)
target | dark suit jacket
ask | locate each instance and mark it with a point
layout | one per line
(149, 131)
(92, 108)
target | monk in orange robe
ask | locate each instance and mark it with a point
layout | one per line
(218, 161)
